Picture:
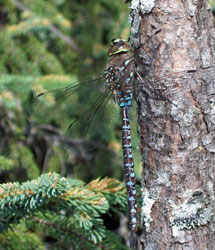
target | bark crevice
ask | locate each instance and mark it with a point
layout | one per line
(174, 54)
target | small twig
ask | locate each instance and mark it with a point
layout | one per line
(46, 160)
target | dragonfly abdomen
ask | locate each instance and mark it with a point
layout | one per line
(129, 168)
(119, 75)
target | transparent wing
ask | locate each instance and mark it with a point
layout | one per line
(154, 87)
(85, 110)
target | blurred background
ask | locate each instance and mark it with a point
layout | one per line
(46, 45)
(49, 44)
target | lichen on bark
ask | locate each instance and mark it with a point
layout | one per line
(174, 53)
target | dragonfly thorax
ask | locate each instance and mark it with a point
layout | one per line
(119, 72)
(112, 77)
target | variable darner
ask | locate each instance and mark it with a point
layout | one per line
(117, 80)
(119, 74)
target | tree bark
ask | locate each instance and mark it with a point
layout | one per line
(174, 41)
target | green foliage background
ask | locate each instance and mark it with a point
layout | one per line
(46, 45)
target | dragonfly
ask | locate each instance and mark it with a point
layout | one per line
(116, 85)
(119, 80)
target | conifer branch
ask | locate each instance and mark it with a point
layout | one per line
(62, 206)
(52, 28)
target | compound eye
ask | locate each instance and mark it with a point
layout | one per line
(113, 41)
(116, 40)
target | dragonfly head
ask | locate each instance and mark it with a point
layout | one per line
(118, 46)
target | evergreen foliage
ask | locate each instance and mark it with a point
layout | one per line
(65, 209)
(46, 45)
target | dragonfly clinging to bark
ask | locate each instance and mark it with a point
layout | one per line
(118, 81)
(119, 74)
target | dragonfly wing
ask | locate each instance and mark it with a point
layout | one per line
(86, 109)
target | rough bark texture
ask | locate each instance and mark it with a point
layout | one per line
(175, 41)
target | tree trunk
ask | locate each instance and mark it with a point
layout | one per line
(175, 40)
